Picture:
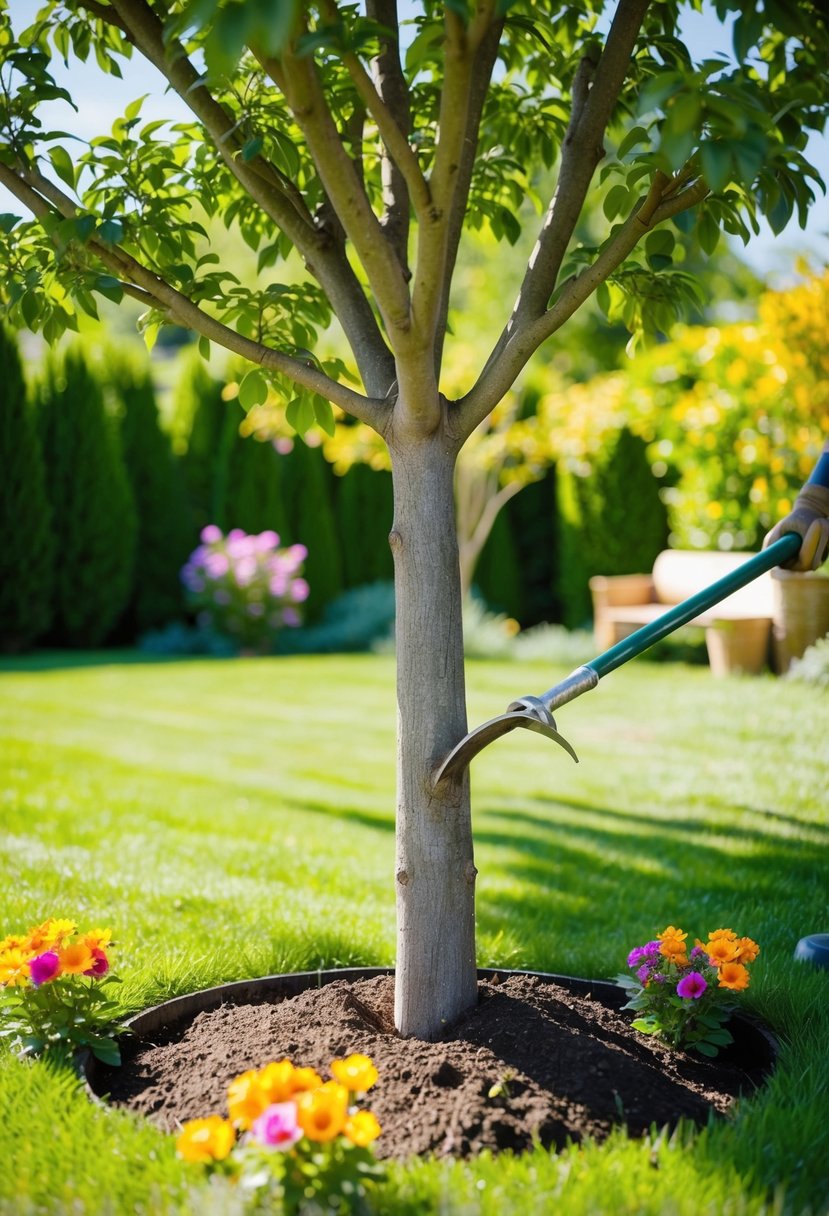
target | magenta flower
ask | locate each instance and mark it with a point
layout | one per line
(691, 986)
(636, 955)
(643, 974)
(44, 968)
(277, 1126)
(101, 964)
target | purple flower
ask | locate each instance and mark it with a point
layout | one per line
(291, 617)
(636, 955)
(44, 968)
(691, 986)
(643, 974)
(698, 952)
(277, 1126)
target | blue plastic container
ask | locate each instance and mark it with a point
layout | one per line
(813, 949)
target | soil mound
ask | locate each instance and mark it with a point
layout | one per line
(533, 1060)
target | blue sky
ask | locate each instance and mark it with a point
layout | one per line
(100, 99)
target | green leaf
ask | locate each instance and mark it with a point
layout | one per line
(253, 147)
(708, 232)
(324, 414)
(62, 164)
(636, 135)
(8, 221)
(706, 1049)
(134, 108)
(204, 348)
(716, 163)
(615, 200)
(253, 390)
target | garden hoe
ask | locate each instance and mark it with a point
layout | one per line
(535, 713)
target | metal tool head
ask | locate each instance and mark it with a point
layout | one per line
(528, 712)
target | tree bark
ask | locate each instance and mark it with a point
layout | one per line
(435, 870)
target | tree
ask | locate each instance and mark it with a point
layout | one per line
(26, 550)
(312, 133)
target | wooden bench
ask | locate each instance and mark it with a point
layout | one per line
(737, 630)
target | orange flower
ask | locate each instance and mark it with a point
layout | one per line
(355, 1072)
(322, 1112)
(671, 934)
(733, 976)
(14, 968)
(76, 959)
(362, 1128)
(305, 1079)
(721, 950)
(247, 1098)
(205, 1140)
(53, 933)
(747, 950)
(728, 934)
(277, 1081)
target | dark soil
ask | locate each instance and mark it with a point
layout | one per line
(531, 1060)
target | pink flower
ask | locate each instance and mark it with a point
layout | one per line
(101, 964)
(299, 590)
(691, 986)
(277, 1126)
(211, 534)
(44, 968)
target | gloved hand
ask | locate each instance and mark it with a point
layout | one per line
(810, 519)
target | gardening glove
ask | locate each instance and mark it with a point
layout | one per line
(810, 519)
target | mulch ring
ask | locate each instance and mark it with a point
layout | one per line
(534, 1060)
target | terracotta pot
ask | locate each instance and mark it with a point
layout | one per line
(801, 614)
(754, 1047)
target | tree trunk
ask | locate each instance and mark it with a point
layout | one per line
(435, 871)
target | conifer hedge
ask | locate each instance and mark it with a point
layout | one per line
(26, 541)
(94, 518)
(165, 535)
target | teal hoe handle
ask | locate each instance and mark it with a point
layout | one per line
(535, 713)
(781, 551)
(586, 677)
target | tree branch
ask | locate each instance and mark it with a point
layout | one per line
(402, 175)
(279, 198)
(469, 55)
(150, 288)
(596, 89)
(299, 81)
(658, 205)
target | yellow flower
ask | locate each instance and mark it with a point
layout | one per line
(362, 1128)
(322, 1112)
(247, 1097)
(56, 932)
(15, 941)
(75, 959)
(721, 951)
(97, 939)
(355, 1072)
(205, 1140)
(734, 976)
(747, 950)
(14, 968)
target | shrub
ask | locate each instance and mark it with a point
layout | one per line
(164, 527)
(92, 505)
(245, 588)
(199, 415)
(358, 620)
(26, 541)
(249, 479)
(364, 511)
(611, 520)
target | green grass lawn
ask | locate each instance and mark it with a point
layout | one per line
(235, 818)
